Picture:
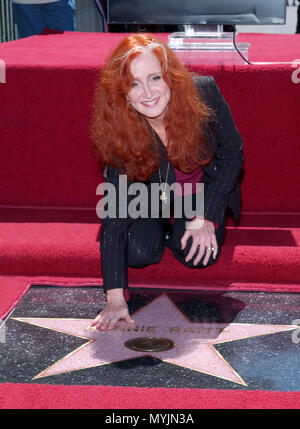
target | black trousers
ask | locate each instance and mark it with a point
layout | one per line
(147, 239)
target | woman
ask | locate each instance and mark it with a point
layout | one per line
(156, 122)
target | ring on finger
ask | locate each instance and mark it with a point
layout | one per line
(210, 248)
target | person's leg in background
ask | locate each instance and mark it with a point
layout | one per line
(29, 18)
(60, 15)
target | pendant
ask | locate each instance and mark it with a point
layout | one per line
(164, 197)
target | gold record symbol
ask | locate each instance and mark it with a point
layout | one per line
(150, 344)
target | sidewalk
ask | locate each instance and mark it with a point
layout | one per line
(288, 28)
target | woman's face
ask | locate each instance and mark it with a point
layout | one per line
(149, 94)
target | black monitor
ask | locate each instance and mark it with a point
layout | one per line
(193, 12)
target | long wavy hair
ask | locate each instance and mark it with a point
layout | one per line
(120, 135)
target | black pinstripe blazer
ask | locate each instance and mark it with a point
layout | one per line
(221, 174)
(220, 178)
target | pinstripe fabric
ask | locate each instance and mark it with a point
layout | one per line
(126, 241)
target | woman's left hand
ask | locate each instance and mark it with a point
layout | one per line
(204, 239)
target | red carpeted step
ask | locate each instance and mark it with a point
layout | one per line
(268, 253)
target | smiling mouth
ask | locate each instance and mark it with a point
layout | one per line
(150, 103)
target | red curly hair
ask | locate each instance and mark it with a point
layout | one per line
(120, 135)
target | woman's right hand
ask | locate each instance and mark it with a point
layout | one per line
(116, 309)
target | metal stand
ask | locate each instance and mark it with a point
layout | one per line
(207, 43)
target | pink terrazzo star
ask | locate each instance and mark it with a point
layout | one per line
(160, 318)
